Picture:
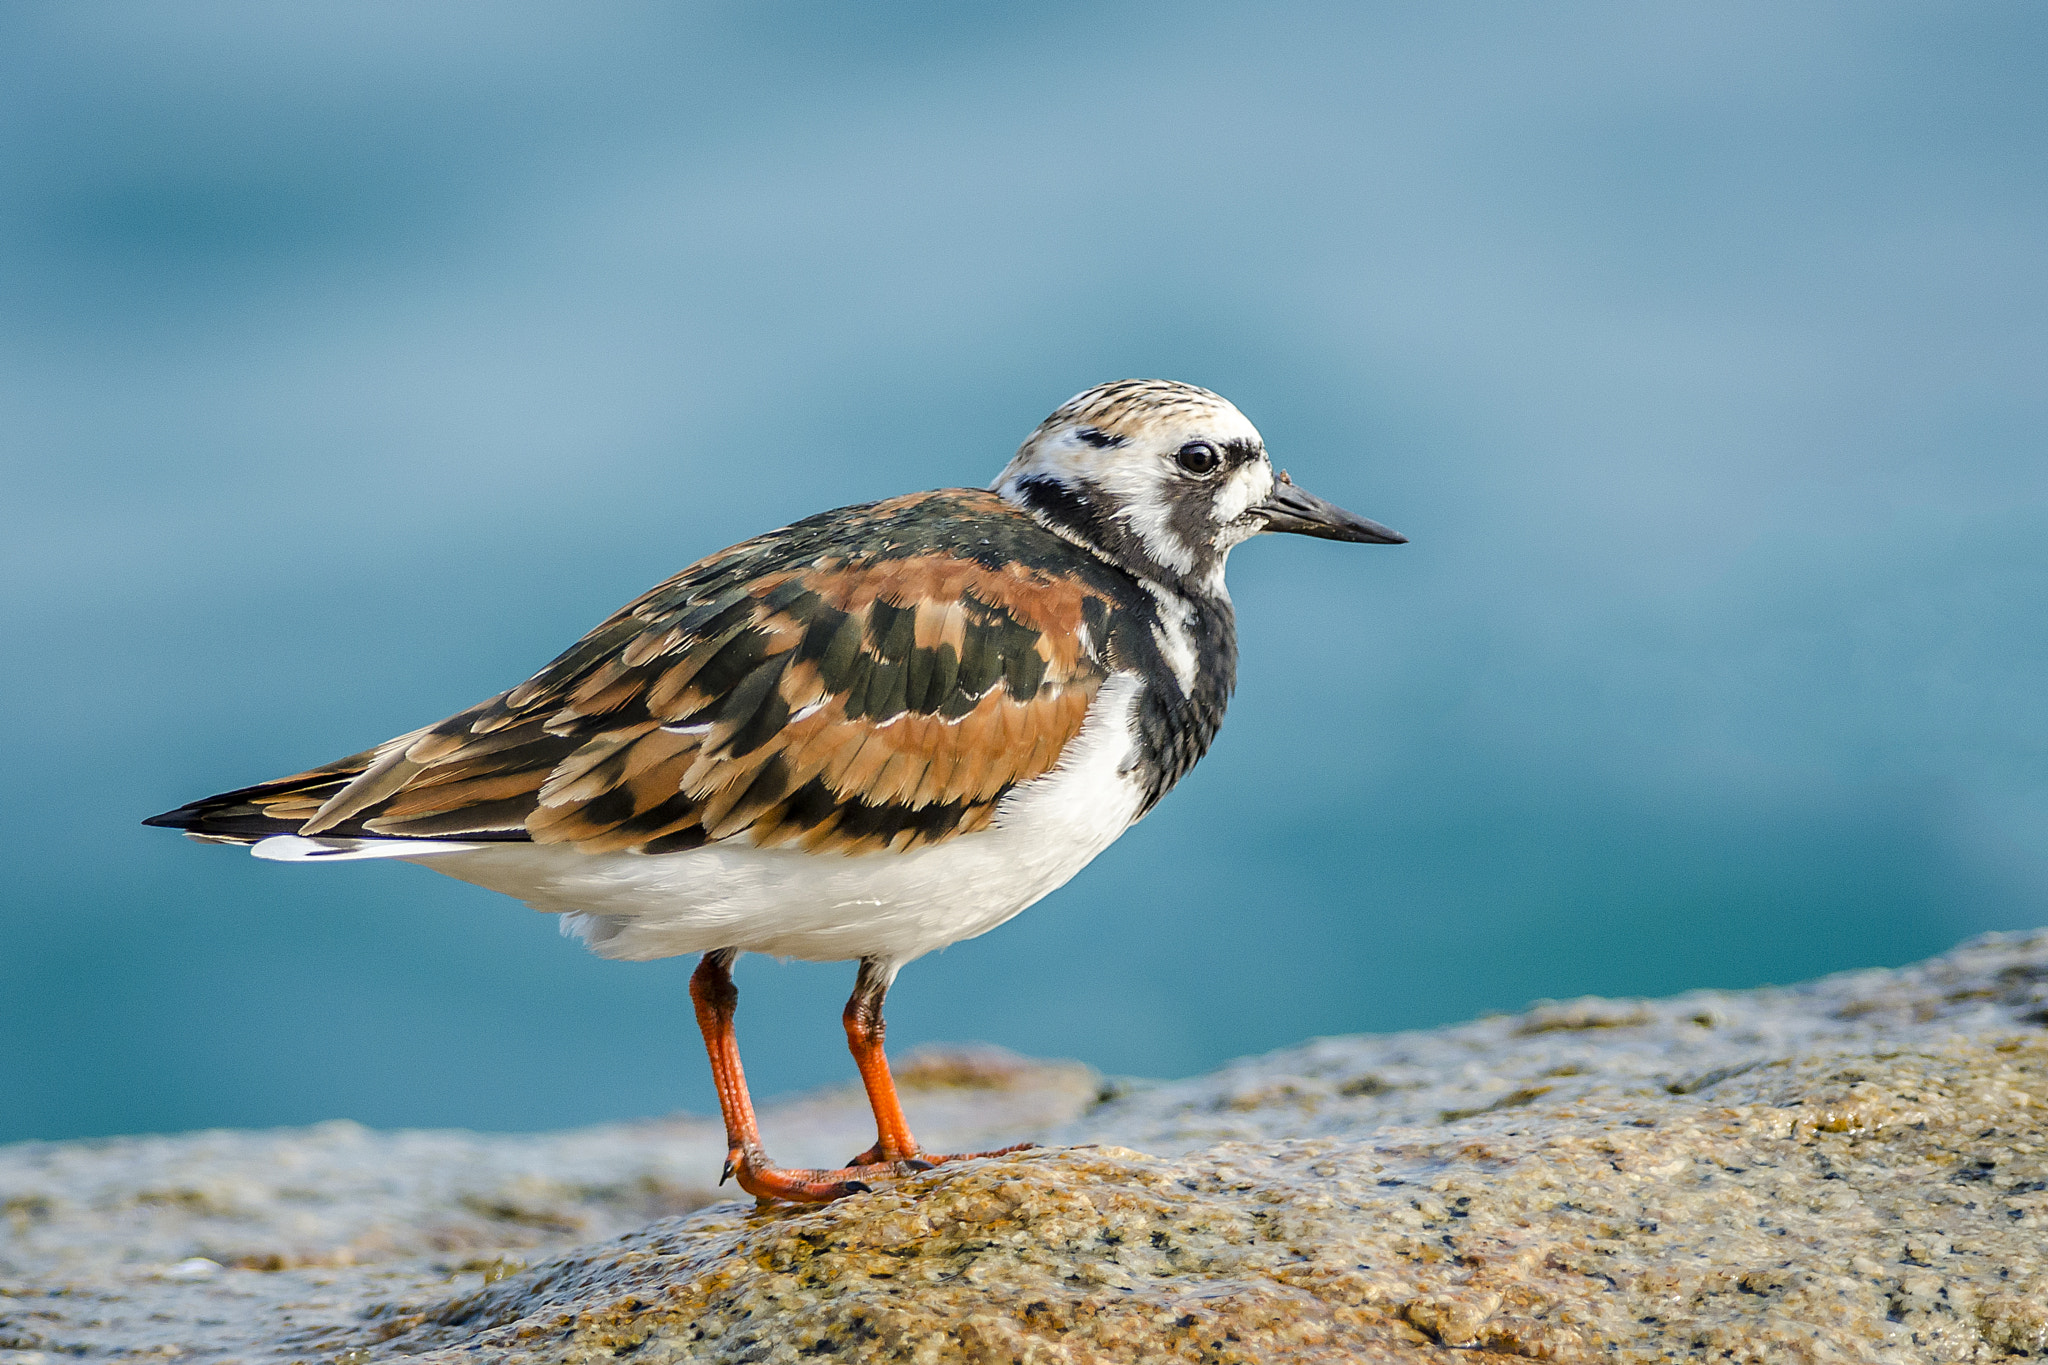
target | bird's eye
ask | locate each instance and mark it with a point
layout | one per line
(1198, 457)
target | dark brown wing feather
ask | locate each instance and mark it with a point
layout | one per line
(851, 690)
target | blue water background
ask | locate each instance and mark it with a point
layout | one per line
(356, 358)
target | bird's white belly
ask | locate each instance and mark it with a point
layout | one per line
(828, 906)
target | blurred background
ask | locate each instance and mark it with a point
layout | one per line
(358, 357)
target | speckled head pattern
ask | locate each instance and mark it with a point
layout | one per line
(1160, 476)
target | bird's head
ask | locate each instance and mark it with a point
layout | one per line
(1165, 479)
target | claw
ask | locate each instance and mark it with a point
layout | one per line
(725, 1174)
(917, 1163)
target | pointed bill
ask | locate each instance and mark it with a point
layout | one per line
(1295, 510)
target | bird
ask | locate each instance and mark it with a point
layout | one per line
(872, 733)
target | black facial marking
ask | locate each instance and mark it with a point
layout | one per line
(1191, 517)
(1098, 438)
(1069, 507)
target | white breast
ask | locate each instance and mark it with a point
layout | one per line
(828, 906)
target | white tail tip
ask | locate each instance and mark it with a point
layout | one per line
(290, 848)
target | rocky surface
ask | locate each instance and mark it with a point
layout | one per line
(1851, 1170)
(260, 1246)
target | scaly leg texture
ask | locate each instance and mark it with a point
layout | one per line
(864, 1031)
(716, 998)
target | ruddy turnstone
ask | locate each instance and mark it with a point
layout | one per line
(865, 736)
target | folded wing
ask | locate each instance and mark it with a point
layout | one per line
(847, 705)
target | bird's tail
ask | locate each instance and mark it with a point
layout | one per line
(251, 814)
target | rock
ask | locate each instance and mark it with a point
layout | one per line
(1554, 1053)
(105, 1244)
(1852, 1170)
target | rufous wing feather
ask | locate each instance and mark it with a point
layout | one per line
(790, 693)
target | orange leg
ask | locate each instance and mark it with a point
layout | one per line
(715, 997)
(864, 1032)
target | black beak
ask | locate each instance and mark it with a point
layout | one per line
(1304, 514)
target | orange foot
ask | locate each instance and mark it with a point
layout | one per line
(760, 1177)
(924, 1161)
(764, 1180)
